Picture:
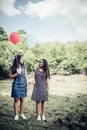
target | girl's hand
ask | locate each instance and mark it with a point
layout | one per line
(19, 70)
(33, 82)
(48, 92)
(26, 89)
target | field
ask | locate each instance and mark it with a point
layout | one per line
(66, 108)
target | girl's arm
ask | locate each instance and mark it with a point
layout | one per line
(13, 75)
(48, 84)
(34, 79)
(26, 81)
(26, 78)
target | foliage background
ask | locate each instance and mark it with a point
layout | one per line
(63, 58)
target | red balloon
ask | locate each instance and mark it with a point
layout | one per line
(14, 37)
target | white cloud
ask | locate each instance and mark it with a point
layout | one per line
(7, 7)
(75, 12)
(43, 9)
(68, 8)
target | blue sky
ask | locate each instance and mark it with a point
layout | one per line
(46, 20)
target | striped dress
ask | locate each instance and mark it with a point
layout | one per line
(40, 92)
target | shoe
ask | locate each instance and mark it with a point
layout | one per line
(39, 118)
(23, 116)
(16, 117)
(43, 118)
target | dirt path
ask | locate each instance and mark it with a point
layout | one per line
(68, 85)
(59, 85)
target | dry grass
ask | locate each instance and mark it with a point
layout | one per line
(68, 85)
(66, 108)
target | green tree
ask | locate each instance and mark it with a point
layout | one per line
(22, 32)
(3, 35)
(24, 35)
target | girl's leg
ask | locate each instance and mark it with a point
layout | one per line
(16, 100)
(22, 108)
(43, 108)
(38, 108)
(21, 105)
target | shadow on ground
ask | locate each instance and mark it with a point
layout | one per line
(63, 113)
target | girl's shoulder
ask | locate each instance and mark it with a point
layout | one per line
(36, 70)
(23, 67)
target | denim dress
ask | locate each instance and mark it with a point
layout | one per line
(19, 85)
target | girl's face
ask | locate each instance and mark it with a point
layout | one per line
(22, 60)
(41, 63)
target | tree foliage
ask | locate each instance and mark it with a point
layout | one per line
(65, 59)
(3, 35)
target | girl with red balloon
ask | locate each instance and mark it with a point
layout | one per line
(19, 86)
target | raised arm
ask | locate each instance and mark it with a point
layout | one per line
(13, 75)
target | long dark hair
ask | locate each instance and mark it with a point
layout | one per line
(16, 63)
(46, 68)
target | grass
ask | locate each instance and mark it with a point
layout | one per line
(64, 111)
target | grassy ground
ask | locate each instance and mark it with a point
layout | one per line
(66, 108)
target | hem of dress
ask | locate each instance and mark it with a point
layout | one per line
(39, 100)
(18, 97)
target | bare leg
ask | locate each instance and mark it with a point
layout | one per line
(22, 108)
(38, 108)
(43, 108)
(21, 105)
(16, 100)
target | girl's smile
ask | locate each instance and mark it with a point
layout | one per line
(41, 63)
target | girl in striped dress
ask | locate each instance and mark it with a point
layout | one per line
(41, 88)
